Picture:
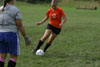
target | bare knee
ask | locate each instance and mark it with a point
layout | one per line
(3, 55)
(50, 41)
(46, 35)
(43, 39)
(51, 38)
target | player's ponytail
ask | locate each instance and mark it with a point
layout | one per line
(5, 3)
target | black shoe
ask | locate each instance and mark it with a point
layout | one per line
(34, 50)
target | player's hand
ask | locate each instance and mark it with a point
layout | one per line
(27, 40)
(38, 23)
(61, 24)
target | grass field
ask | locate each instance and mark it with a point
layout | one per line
(78, 45)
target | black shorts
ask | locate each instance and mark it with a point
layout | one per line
(54, 29)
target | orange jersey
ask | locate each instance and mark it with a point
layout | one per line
(55, 17)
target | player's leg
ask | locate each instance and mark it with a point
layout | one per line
(3, 50)
(51, 38)
(2, 59)
(46, 35)
(42, 40)
(12, 61)
(13, 48)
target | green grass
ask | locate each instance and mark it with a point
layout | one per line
(78, 44)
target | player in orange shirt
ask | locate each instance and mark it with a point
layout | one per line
(55, 15)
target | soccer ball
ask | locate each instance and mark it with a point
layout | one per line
(40, 52)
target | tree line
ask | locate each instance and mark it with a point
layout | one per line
(48, 1)
(36, 1)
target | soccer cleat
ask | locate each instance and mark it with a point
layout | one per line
(34, 50)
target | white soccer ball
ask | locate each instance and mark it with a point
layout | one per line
(40, 52)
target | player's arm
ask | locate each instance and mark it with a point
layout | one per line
(22, 31)
(44, 20)
(64, 20)
(20, 27)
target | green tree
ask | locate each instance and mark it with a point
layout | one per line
(20, 0)
(30, 1)
(38, 1)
